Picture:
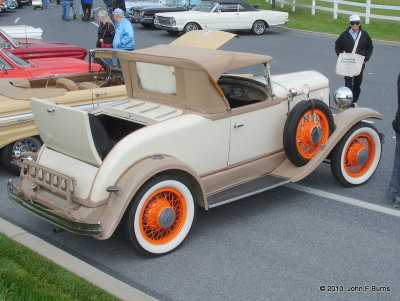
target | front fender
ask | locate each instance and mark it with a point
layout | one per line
(133, 179)
(343, 122)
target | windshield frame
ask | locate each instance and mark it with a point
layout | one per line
(204, 6)
(10, 39)
(15, 59)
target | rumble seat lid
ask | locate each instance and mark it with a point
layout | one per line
(210, 39)
(74, 140)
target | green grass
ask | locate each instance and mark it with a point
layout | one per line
(26, 276)
(323, 21)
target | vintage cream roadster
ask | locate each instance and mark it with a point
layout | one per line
(195, 131)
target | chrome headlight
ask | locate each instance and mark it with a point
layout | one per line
(142, 13)
(173, 22)
(343, 97)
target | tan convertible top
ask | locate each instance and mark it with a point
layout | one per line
(215, 62)
(191, 69)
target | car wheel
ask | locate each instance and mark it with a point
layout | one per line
(29, 144)
(190, 27)
(307, 128)
(258, 27)
(355, 158)
(160, 216)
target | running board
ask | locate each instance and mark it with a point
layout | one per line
(245, 189)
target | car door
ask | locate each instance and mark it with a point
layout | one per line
(226, 16)
(256, 132)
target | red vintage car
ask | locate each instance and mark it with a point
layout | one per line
(12, 66)
(34, 49)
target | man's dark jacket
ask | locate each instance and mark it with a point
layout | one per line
(346, 43)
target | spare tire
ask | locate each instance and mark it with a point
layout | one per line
(307, 128)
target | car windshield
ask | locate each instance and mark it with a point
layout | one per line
(13, 41)
(204, 6)
(176, 2)
(15, 59)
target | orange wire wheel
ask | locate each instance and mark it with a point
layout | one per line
(160, 215)
(307, 128)
(163, 215)
(356, 157)
(312, 132)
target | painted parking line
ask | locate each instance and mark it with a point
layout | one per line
(344, 199)
(17, 20)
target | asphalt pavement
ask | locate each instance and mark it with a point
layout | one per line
(314, 240)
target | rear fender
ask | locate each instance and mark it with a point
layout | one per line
(343, 122)
(133, 179)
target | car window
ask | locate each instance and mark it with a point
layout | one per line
(205, 6)
(228, 7)
(12, 40)
(156, 78)
(241, 8)
(4, 65)
(16, 60)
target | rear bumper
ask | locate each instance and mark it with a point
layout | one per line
(46, 214)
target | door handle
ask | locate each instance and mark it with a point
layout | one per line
(235, 125)
(97, 94)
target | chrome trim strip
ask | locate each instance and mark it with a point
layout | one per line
(46, 214)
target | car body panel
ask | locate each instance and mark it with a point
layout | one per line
(31, 49)
(13, 67)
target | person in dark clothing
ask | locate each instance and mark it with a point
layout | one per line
(345, 43)
(119, 4)
(87, 7)
(393, 191)
(106, 32)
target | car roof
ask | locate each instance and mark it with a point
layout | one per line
(214, 62)
(246, 5)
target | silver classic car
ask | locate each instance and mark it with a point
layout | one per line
(199, 128)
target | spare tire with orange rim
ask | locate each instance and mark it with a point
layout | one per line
(307, 128)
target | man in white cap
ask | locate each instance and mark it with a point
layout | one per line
(124, 36)
(345, 43)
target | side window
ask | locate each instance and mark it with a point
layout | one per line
(228, 7)
(156, 78)
(3, 43)
(241, 8)
(4, 65)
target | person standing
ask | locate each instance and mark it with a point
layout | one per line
(106, 32)
(124, 36)
(119, 4)
(345, 43)
(66, 5)
(393, 191)
(87, 7)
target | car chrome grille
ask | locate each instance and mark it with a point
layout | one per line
(136, 14)
(164, 20)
